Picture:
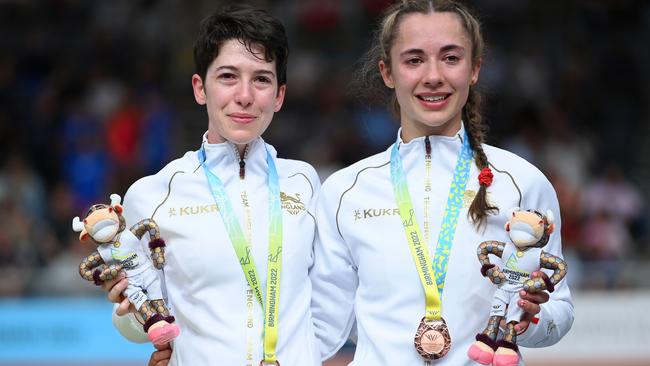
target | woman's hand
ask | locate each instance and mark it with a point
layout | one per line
(115, 288)
(161, 356)
(530, 303)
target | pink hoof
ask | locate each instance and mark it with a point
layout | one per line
(164, 334)
(479, 355)
(505, 360)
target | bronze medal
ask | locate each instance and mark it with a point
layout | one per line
(432, 339)
(276, 363)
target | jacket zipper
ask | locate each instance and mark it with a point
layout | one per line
(242, 162)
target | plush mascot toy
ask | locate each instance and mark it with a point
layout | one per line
(529, 231)
(119, 249)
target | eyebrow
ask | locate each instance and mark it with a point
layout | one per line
(452, 47)
(235, 69)
(446, 48)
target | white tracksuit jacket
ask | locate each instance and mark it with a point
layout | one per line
(206, 288)
(363, 264)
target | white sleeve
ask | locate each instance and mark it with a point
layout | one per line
(129, 327)
(556, 316)
(334, 278)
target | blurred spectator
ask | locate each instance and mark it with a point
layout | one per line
(526, 138)
(615, 202)
(605, 245)
(18, 259)
(63, 270)
(155, 142)
(565, 153)
(605, 238)
(123, 131)
(611, 192)
(105, 93)
(21, 185)
(570, 201)
(61, 205)
(86, 167)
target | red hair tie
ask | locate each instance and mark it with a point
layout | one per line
(485, 177)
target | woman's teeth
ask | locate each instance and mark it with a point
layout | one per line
(433, 99)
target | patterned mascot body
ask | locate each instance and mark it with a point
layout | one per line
(522, 259)
(119, 249)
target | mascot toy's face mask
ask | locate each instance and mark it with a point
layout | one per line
(102, 223)
(529, 228)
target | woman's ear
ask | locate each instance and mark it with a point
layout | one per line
(199, 89)
(386, 75)
(279, 97)
(476, 70)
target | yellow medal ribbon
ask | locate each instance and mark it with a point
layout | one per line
(243, 249)
(419, 250)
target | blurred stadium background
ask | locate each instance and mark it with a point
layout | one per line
(95, 94)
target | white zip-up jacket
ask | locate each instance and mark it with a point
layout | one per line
(363, 265)
(205, 286)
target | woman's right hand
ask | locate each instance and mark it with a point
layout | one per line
(161, 356)
(115, 288)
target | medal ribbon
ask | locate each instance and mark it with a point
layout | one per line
(243, 249)
(250, 298)
(428, 273)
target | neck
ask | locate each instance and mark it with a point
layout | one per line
(412, 131)
(215, 138)
(240, 148)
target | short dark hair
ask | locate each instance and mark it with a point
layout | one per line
(251, 26)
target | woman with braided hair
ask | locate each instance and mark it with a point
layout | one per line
(396, 251)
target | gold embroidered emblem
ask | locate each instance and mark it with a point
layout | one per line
(292, 205)
(468, 197)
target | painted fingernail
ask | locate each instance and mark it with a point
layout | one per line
(521, 303)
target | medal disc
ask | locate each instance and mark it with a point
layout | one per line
(432, 340)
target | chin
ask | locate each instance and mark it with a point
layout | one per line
(436, 124)
(439, 124)
(243, 137)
